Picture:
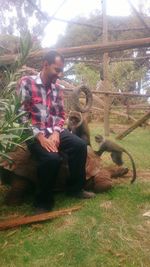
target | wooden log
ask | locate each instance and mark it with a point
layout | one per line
(134, 126)
(120, 94)
(69, 52)
(98, 62)
(11, 223)
(114, 93)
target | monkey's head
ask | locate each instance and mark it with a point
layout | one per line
(99, 138)
(74, 120)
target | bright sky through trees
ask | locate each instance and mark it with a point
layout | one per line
(73, 8)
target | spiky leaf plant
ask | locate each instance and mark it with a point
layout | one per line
(11, 133)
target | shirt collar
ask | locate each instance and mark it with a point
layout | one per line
(38, 79)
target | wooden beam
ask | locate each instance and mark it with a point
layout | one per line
(113, 93)
(96, 61)
(120, 94)
(107, 47)
(139, 16)
(82, 50)
(130, 59)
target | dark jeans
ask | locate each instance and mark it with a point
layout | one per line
(49, 163)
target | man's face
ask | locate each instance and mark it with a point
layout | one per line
(55, 70)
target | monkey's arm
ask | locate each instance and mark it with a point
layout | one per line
(101, 150)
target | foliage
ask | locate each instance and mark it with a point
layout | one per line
(11, 76)
(11, 134)
(76, 35)
(86, 75)
(124, 75)
(10, 44)
(15, 16)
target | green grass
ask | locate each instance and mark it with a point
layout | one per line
(109, 231)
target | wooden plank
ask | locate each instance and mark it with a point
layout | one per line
(11, 223)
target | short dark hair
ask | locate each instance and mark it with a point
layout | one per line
(51, 56)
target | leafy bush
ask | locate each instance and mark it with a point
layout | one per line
(11, 133)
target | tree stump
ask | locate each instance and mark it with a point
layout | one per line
(23, 177)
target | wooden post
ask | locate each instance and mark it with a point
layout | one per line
(105, 69)
(128, 108)
(106, 114)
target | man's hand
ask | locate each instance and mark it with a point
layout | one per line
(47, 143)
(55, 137)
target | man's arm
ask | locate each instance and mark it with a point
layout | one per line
(58, 119)
(25, 93)
(60, 116)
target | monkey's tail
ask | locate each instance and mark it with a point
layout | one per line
(133, 167)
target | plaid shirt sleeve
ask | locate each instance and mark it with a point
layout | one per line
(25, 93)
(60, 118)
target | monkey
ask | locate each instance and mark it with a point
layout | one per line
(116, 152)
(78, 126)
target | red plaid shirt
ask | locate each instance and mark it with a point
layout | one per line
(44, 105)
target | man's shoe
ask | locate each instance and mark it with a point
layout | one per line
(82, 194)
(86, 194)
(40, 210)
(43, 207)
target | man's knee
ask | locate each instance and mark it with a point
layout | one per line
(51, 158)
(80, 145)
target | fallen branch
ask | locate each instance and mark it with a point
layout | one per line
(134, 126)
(11, 223)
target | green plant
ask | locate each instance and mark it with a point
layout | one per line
(11, 133)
